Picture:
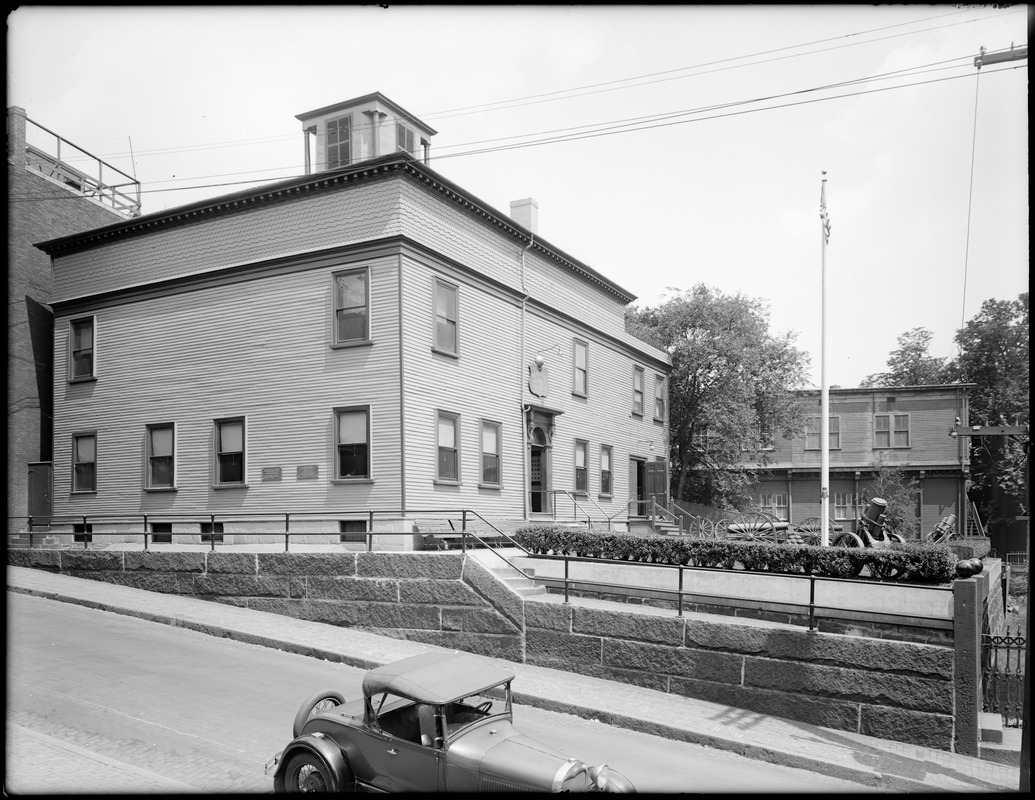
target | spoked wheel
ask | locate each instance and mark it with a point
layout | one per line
(305, 772)
(754, 526)
(811, 530)
(847, 539)
(317, 704)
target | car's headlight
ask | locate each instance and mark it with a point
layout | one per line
(605, 779)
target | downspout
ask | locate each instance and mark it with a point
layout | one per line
(521, 384)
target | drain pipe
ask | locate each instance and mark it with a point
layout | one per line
(521, 383)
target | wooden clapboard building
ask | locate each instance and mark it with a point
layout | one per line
(905, 427)
(357, 347)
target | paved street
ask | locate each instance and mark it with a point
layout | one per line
(100, 702)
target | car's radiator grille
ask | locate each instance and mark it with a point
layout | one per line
(496, 785)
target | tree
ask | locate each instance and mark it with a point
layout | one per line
(732, 384)
(911, 364)
(993, 354)
(900, 493)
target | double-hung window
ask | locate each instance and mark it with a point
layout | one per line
(161, 465)
(84, 462)
(339, 142)
(638, 391)
(81, 349)
(353, 442)
(776, 505)
(659, 398)
(580, 380)
(448, 435)
(890, 430)
(351, 306)
(446, 317)
(230, 442)
(842, 505)
(813, 433)
(606, 456)
(490, 453)
(581, 466)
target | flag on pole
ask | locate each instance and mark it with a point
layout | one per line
(824, 219)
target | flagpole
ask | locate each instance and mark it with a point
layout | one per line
(824, 403)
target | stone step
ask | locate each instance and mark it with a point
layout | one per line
(1007, 752)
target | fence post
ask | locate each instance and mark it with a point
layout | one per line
(679, 597)
(145, 531)
(30, 532)
(566, 579)
(287, 528)
(812, 602)
(86, 536)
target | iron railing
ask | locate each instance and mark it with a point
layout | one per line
(1002, 676)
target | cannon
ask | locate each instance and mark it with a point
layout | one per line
(871, 530)
(944, 530)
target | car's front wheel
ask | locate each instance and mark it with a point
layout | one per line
(305, 772)
(317, 704)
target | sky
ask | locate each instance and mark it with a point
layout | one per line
(666, 146)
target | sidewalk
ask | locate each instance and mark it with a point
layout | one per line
(873, 763)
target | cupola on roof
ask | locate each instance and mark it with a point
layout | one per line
(360, 129)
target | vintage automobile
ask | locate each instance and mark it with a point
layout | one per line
(432, 722)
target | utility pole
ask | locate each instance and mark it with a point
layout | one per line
(1016, 431)
(997, 58)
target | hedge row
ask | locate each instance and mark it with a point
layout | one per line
(911, 562)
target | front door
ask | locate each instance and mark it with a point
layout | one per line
(656, 474)
(538, 479)
(39, 492)
(637, 487)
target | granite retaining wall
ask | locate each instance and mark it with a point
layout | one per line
(894, 690)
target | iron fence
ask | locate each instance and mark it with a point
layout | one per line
(1002, 676)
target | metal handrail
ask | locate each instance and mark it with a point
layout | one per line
(625, 510)
(576, 506)
(680, 592)
(660, 511)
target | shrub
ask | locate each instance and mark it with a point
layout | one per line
(916, 562)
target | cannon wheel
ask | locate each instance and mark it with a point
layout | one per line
(809, 531)
(847, 539)
(757, 526)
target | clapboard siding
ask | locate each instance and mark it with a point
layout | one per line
(253, 349)
(296, 224)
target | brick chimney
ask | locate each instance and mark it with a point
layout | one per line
(525, 213)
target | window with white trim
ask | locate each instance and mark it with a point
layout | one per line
(352, 445)
(581, 466)
(81, 349)
(659, 398)
(776, 505)
(580, 377)
(230, 451)
(843, 505)
(890, 430)
(606, 457)
(637, 407)
(490, 453)
(446, 317)
(448, 445)
(84, 462)
(813, 432)
(161, 464)
(352, 306)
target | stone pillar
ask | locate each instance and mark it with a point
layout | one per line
(968, 604)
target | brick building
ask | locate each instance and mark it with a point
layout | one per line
(47, 197)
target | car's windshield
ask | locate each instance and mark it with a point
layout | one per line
(471, 709)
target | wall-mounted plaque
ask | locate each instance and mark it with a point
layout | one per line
(307, 472)
(271, 473)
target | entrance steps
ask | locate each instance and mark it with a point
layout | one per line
(506, 573)
(998, 744)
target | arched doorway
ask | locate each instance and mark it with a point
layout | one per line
(538, 471)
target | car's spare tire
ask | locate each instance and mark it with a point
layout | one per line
(317, 704)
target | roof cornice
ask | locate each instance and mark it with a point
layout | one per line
(373, 169)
